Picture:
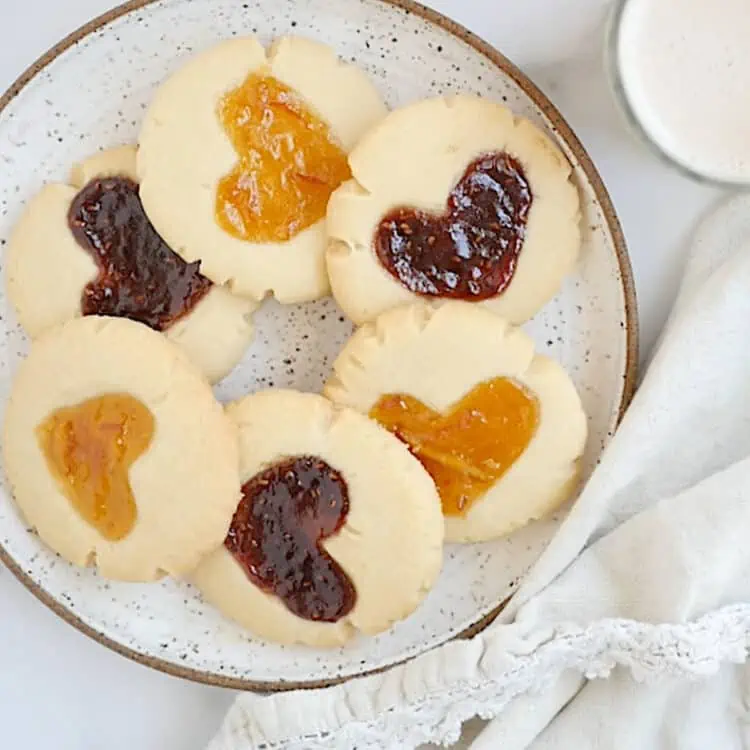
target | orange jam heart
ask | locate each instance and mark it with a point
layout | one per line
(289, 163)
(89, 449)
(469, 448)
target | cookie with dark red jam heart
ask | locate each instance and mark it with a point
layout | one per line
(88, 248)
(324, 542)
(453, 199)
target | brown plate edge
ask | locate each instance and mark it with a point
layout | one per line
(626, 275)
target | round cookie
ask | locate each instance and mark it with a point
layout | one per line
(388, 544)
(50, 273)
(185, 153)
(453, 198)
(455, 360)
(170, 456)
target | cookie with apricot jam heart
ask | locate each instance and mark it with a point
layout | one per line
(126, 464)
(240, 151)
(499, 428)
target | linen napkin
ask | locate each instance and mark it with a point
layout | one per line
(657, 594)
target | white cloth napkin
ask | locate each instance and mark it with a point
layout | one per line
(657, 594)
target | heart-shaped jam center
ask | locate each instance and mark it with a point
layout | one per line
(470, 447)
(277, 532)
(471, 251)
(289, 163)
(140, 277)
(89, 449)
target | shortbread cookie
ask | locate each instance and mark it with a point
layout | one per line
(499, 428)
(339, 529)
(453, 198)
(239, 153)
(117, 452)
(87, 248)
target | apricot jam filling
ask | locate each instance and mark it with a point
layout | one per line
(288, 164)
(89, 449)
(468, 448)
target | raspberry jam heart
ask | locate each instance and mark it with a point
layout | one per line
(277, 532)
(470, 252)
(140, 276)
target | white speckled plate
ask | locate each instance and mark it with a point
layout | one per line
(89, 93)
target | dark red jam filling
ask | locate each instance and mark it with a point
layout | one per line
(471, 251)
(277, 532)
(140, 277)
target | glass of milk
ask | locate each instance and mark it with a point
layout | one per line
(681, 70)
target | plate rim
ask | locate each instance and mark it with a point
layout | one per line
(501, 62)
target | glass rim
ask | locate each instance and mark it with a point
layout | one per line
(614, 73)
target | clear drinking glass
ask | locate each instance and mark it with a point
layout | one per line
(614, 63)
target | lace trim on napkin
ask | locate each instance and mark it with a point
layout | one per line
(691, 650)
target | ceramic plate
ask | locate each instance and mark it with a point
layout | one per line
(90, 93)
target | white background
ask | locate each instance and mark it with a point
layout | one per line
(60, 691)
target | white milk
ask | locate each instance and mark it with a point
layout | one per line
(685, 68)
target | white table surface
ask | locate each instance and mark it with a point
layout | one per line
(60, 691)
